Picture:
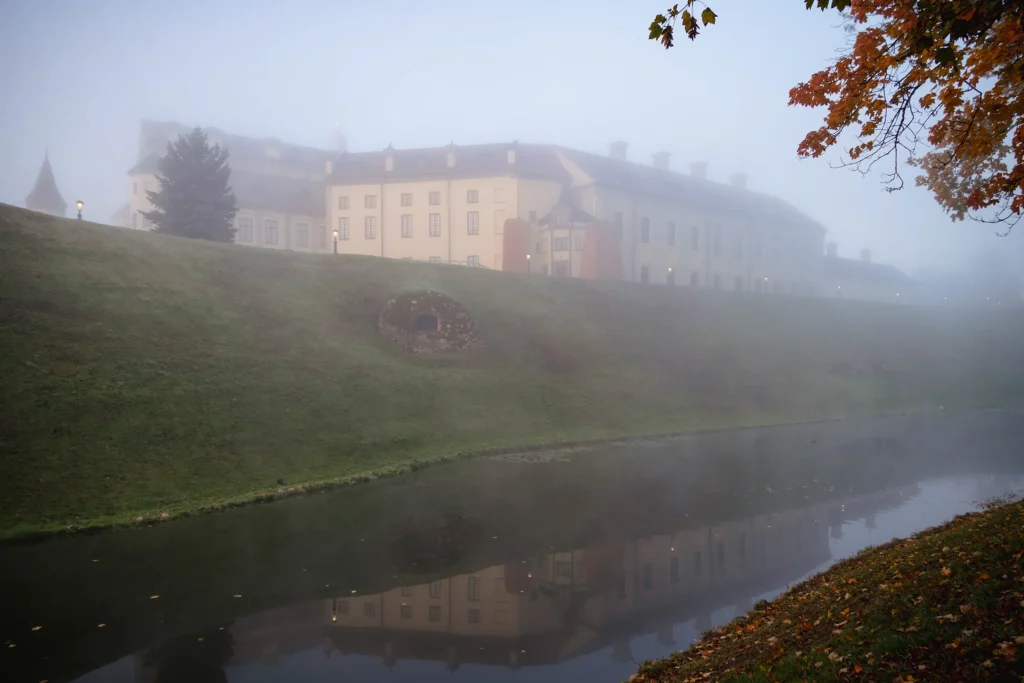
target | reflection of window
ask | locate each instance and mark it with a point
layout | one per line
(369, 609)
(343, 228)
(563, 569)
(406, 199)
(435, 586)
(342, 203)
(245, 230)
(434, 199)
(473, 260)
(407, 225)
(648, 576)
(473, 222)
(370, 201)
(698, 567)
(474, 616)
(472, 196)
(673, 569)
(473, 588)
(406, 591)
(370, 227)
(405, 611)
(435, 225)
(434, 613)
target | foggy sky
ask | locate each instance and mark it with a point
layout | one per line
(78, 76)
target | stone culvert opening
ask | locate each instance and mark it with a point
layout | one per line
(428, 322)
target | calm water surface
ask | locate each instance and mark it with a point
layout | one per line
(564, 566)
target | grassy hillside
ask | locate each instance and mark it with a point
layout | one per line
(143, 373)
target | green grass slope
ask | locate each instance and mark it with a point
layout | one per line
(144, 373)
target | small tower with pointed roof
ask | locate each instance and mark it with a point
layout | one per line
(45, 197)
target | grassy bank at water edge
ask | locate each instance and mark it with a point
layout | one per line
(944, 605)
(145, 374)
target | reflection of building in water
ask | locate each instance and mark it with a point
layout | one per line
(565, 604)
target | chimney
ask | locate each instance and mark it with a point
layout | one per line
(329, 167)
(512, 153)
(739, 180)
(661, 160)
(389, 158)
(832, 249)
(865, 255)
(699, 169)
(451, 154)
(617, 150)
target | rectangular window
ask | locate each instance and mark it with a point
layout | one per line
(473, 222)
(472, 260)
(370, 227)
(369, 609)
(670, 229)
(533, 216)
(406, 199)
(645, 230)
(645, 274)
(472, 196)
(321, 235)
(695, 237)
(563, 568)
(370, 201)
(673, 569)
(343, 203)
(694, 279)
(302, 235)
(435, 225)
(270, 231)
(434, 613)
(434, 198)
(648, 576)
(245, 230)
(561, 244)
(698, 565)
(473, 616)
(343, 228)
(435, 586)
(406, 591)
(578, 242)
(473, 589)
(405, 611)
(407, 225)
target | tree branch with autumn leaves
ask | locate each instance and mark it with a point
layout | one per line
(937, 83)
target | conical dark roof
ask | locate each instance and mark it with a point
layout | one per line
(44, 195)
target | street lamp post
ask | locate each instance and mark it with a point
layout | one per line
(671, 276)
(79, 205)
(335, 234)
(529, 264)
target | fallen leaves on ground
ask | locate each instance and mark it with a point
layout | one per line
(946, 604)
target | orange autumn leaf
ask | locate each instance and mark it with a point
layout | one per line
(917, 71)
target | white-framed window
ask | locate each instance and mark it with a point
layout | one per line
(472, 197)
(270, 231)
(343, 228)
(560, 244)
(245, 230)
(407, 225)
(435, 199)
(407, 199)
(473, 586)
(435, 225)
(473, 222)
(321, 235)
(472, 260)
(343, 203)
(370, 227)
(435, 586)
(370, 201)
(302, 235)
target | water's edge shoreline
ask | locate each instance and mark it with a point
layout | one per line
(36, 532)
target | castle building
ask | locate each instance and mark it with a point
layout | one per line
(544, 209)
(45, 197)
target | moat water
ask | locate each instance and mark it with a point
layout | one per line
(574, 565)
